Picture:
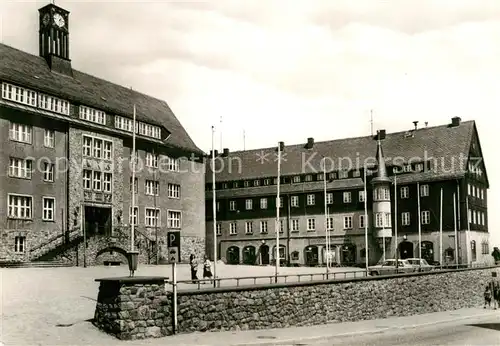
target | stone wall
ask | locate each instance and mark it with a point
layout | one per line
(133, 308)
(319, 302)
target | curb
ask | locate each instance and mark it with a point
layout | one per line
(370, 331)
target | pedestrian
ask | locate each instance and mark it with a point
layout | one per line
(207, 269)
(194, 268)
(496, 295)
(487, 296)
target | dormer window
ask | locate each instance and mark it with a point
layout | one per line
(308, 177)
(93, 115)
(296, 179)
(256, 182)
(343, 174)
(246, 184)
(235, 185)
(267, 181)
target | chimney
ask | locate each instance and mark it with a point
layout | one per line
(381, 134)
(415, 123)
(226, 152)
(216, 153)
(426, 123)
(455, 121)
(282, 146)
(210, 154)
(310, 143)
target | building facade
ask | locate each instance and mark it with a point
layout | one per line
(406, 172)
(66, 148)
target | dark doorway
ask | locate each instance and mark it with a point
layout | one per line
(348, 254)
(428, 251)
(264, 254)
(233, 255)
(97, 221)
(311, 255)
(406, 250)
(249, 255)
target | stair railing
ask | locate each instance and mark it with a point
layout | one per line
(55, 238)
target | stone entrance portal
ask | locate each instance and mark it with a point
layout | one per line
(97, 221)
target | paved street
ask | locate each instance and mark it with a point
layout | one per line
(54, 304)
(475, 331)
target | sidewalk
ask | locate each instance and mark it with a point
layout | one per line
(295, 334)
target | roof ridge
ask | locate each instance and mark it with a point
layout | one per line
(347, 138)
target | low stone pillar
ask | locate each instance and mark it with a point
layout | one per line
(133, 308)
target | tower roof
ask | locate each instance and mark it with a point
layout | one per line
(382, 176)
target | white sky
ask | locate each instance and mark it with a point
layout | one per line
(288, 70)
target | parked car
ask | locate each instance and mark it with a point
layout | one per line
(389, 267)
(420, 264)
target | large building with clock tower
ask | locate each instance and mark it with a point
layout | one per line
(66, 143)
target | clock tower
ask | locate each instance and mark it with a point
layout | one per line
(54, 38)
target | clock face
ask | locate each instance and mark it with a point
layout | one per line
(59, 20)
(46, 19)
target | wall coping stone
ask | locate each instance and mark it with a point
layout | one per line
(135, 279)
(207, 290)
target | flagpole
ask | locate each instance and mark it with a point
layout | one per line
(396, 256)
(455, 226)
(419, 227)
(132, 226)
(214, 207)
(366, 223)
(441, 230)
(326, 220)
(278, 214)
(469, 257)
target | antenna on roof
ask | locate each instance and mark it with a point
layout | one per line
(243, 139)
(371, 121)
(221, 134)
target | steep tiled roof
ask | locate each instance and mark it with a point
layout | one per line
(33, 72)
(447, 145)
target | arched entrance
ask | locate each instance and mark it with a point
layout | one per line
(428, 251)
(249, 255)
(406, 250)
(111, 256)
(233, 255)
(311, 255)
(348, 254)
(264, 254)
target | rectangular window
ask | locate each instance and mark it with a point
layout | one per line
(87, 146)
(20, 133)
(174, 191)
(424, 190)
(295, 225)
(405, 192)
(320, 177)
(483, 220)
(347, 197)
(426, 217)
(329, 198)
(311, 199)
(49, 138)
(232, 228)
(151, 160)
(92, 115)
(388, 220)
(295, 201)
(53, 104)
(108, 150)
(405, 219)
(311, 224)
(152, 188)
(361, 221)
(256, 183)
(136, 185)
(281, 202)
(343, 174)
(281, 226)
(20, 207)
(329, 223)
(17, 94)
(361, 196)
(347, 222)
(218, 229)
(379, 220)
(296, 179)
(332, 175)
(20, 168)
(19, 244)
(263, 203)
(474, 217)
(107, 182)
(482, 193)
(248, 204)
(49, 205)
(232, 205)
(96, 181)
(248, 227)
(135, 216)
(97, 148)
(153, 218)
(48, 172)
(468, 189)
(87, 179)
(308, 177)
(263, 227)
(174, 219)
(267, 181)
(173, 164)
